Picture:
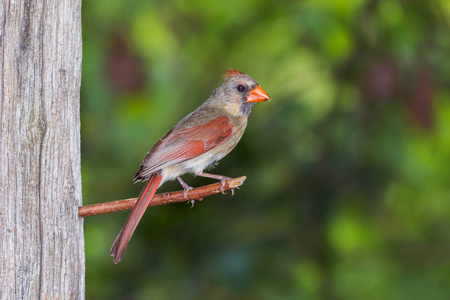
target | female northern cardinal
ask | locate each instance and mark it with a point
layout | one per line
(199, 140)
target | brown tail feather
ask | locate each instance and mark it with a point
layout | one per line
(146, 196)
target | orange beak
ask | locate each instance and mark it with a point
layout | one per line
(257, 95)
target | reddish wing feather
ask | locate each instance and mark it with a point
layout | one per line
(181, 145)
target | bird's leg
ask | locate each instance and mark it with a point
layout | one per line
(218, 177)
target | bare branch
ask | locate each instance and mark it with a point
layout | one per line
(160, 199)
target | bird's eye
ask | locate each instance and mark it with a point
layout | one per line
(241, 88)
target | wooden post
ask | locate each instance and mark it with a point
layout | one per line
(41, 237)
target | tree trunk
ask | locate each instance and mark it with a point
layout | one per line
(41, 237)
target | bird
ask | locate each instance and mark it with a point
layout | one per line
(197, 142)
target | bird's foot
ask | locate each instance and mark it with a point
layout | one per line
(222, 186)
(186, 188)
(218, 177)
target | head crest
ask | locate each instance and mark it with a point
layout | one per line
(232, 73)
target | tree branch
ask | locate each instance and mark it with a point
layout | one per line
(160, 199)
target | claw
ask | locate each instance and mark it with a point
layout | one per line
(193, 202)
(222, 186)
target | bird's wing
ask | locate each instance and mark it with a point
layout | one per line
(180, 145)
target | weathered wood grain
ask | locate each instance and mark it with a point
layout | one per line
(41, 237)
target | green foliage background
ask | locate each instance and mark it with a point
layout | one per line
(348, 189)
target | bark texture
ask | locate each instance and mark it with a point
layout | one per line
(41, 237)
